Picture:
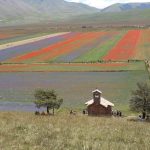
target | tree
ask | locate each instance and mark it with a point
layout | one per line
(47, 98)
(140, 101)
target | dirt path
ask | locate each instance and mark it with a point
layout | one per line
(13, 44)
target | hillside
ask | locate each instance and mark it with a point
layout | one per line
(132, 17)
(14, 11)
(119, 7)
(60, 8)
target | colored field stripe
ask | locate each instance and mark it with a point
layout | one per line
(60, 67)
(54, 67)
(57, 51)
(51, 49)
(73, 46)
(126, 48)
(105, 44)
(73, 55)
(5, 36)
(36, 53)
(28, 40)
(70, 46)
(9, 53)
(143, 46)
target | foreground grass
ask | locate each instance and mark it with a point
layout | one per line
(27, 131)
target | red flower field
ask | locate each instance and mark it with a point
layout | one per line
(59, 48)
(126, 48)
(81, 47)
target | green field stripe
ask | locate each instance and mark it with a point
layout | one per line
(101, 50)
(122, 66)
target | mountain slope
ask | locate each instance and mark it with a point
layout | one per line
(46, 9)
(60, 8)
(126, 7)
(14, 9)
(133, 17)
(16, 12)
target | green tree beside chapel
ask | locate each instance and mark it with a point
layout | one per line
(47, 98)
(140, 101)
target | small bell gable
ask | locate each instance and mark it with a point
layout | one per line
(97, 96)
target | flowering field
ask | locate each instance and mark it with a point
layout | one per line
(60, 48)
(116, 86)
(125, 48)
(81, 47)
(78, 47)
(75, 63)
(16, 51)
(143, 47)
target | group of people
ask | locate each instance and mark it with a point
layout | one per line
(74, 112)
(117, 113)
(144, 116)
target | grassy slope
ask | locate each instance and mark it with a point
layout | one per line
(26, 131)
(126, 18)
(100, 51)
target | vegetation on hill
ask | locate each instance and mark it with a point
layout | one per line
(125, 18)
(119, 7)
(14, 12)
(31, 11)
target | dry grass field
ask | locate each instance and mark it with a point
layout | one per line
(22, 131)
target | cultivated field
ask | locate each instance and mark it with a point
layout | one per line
(105, 50)
(81, 47)
(143, 47)
(69, 67)
(27, 131)
(116, 86)
(73, 64)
